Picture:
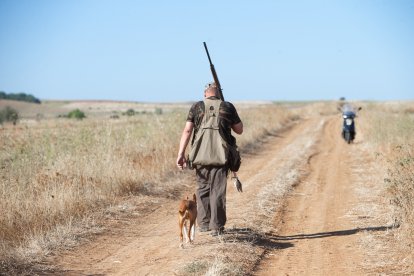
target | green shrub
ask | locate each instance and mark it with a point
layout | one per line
(9, 114)
(76, 114)
(129, 112)
(158, 111)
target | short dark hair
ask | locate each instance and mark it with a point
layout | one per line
(211, 86)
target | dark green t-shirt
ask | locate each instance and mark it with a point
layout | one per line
(227, 117)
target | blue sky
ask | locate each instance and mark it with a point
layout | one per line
(152, 51)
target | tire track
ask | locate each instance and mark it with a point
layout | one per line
(315, 218)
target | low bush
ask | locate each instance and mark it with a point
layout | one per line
(158, 111)
(129, 112)
(76, 114)
(9, 114)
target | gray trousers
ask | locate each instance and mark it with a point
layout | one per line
(211, 196)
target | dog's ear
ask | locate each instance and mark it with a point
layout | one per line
(194, 198)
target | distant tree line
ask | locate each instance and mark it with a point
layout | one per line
(19, 97)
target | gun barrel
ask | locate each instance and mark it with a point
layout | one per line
(208, 55)
(213, 72)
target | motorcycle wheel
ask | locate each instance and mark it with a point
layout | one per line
(348, 137)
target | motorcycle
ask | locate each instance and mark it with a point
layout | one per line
(348, 127)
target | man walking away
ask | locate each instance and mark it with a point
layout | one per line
(212, 121)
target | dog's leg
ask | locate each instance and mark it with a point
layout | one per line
(185, 231)
(192, 230)
(180, 224)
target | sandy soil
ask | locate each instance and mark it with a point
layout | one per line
(292, 218)
(315, 219)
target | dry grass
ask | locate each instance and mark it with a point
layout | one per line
(261, 121)
(59, 173)
(235, 254)
(400, 183)
(56, 176)
(389, 129)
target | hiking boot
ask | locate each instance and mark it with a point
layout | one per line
(217, 232)
(204, 229)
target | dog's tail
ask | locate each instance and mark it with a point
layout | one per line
(182, 208)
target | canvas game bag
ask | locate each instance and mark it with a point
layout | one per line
(209, 148)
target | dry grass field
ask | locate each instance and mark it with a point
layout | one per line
(57, 172)
(390, 133)
(60, 177)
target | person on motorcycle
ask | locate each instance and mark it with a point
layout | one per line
(349, 126)
(349, 114)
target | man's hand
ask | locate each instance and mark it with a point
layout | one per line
(185, 138)
(181, 162)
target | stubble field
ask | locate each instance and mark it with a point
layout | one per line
(63, 181)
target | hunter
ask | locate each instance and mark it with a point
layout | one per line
(217, 118)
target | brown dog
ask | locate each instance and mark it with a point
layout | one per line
(187, 211)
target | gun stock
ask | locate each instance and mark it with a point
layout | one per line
(214, 73)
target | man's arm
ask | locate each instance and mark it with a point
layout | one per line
(185, 138)
(238, 128)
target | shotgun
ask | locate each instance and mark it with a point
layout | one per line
(213, 71)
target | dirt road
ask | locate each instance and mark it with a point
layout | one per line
(292, 218)
(315, 219)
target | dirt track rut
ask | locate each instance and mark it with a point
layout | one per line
(315, 219)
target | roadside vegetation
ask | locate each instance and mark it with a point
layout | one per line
(390, 130)
(59, 174)
(9, 114)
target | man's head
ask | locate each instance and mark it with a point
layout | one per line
(210, 90)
